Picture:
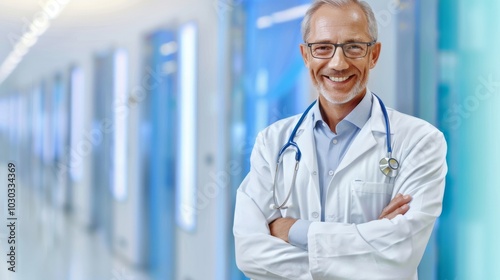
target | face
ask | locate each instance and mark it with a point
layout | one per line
(340, 80)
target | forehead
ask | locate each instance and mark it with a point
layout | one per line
(337, 25)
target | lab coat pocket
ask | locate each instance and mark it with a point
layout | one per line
(368, 200)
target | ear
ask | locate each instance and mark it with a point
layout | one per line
(375, 54)
(305, 54)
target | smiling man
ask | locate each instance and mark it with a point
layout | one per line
(340, 77)
(319, 202)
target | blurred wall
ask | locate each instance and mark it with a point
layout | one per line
(127, 28)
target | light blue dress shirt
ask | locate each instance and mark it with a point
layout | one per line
(330, 149)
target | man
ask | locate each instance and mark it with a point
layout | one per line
(344, 219)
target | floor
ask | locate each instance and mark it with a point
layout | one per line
(52, 246)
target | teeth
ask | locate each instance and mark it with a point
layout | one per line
(338, 79)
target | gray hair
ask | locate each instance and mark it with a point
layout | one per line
(370, 16)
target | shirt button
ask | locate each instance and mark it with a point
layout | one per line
(335, 141)
(330, 172)
(315, 173)
(315, 215)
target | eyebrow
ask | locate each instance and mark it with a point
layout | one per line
(358, 40)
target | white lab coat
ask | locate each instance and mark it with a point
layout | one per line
(351, 243)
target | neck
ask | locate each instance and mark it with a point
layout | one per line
(334, 113)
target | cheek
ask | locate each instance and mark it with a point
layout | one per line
(313, 76)
(314, 70)
(363, 68)
(314, 73)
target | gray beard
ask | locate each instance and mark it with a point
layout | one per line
(360, 85)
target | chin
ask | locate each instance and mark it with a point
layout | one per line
(336, 99)
(339, 99)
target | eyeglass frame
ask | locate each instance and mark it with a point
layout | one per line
(368, 45)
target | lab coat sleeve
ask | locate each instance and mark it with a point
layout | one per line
(387, 249)
(258, 254)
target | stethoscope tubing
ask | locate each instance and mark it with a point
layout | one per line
(388, 165)
(387, 124)
(290, 142)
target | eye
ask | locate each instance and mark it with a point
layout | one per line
(322, 48)
(354, 47)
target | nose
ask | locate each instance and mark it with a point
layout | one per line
(338, 62)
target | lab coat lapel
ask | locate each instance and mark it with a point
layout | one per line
(307, 145)
(365, 140)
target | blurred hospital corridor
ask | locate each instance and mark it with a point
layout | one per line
(127, 126)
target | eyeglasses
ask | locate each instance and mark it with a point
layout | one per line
(351, 50)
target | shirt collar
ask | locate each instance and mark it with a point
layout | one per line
(358, 116)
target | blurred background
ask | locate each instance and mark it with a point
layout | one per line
(130, 124)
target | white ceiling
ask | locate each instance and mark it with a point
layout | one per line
(14, 10)
(16, 15)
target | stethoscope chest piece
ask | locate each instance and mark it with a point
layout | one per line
(389, 166)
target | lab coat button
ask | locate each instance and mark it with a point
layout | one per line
(315, 215)
(315, 173)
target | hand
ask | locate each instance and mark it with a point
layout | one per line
(280, 227)
(399, 205)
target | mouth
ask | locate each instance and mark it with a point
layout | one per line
(339, 79)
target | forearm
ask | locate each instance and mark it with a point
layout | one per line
(296, 232)
(260, 255)
(265, 257)
(382, 249)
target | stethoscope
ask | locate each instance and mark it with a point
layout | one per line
(388, 165)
